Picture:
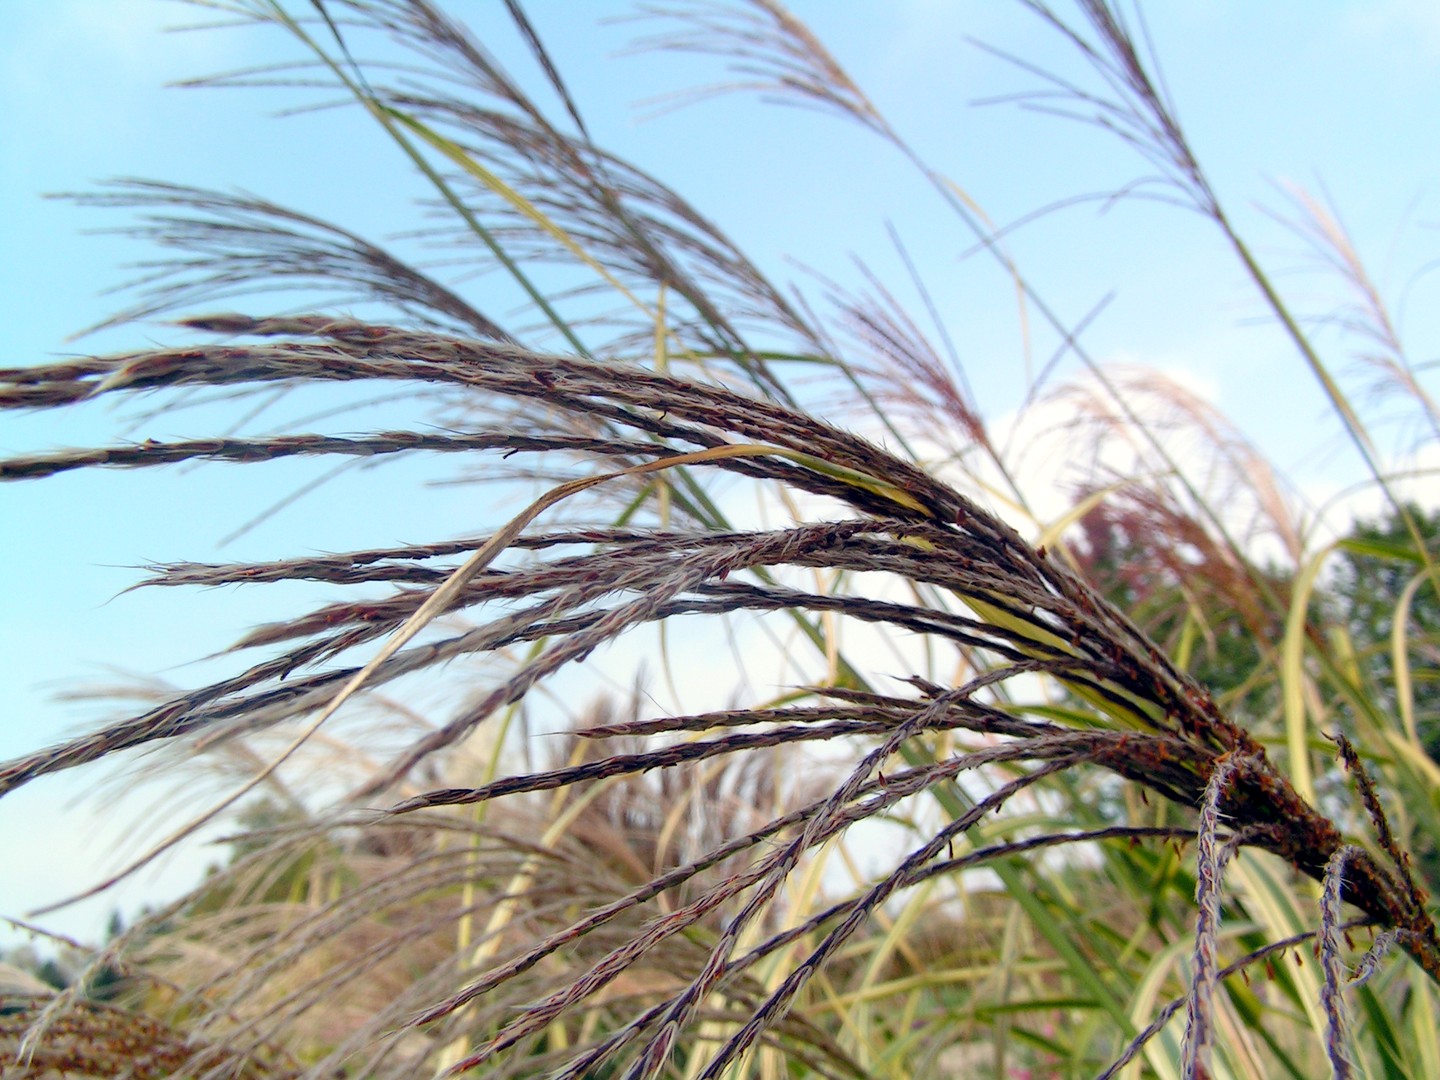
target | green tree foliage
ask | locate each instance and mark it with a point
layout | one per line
(1389, 606)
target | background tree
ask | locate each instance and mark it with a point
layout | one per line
(1389, 609)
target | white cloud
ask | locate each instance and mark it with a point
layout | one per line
(1406, 28)
(80, 70)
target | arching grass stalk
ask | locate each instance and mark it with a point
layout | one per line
(1136, 715)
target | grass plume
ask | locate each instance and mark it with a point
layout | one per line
(1117, 721)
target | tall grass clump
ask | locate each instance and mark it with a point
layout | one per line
(1141, 788)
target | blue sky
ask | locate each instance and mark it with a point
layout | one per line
(1332, 93)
